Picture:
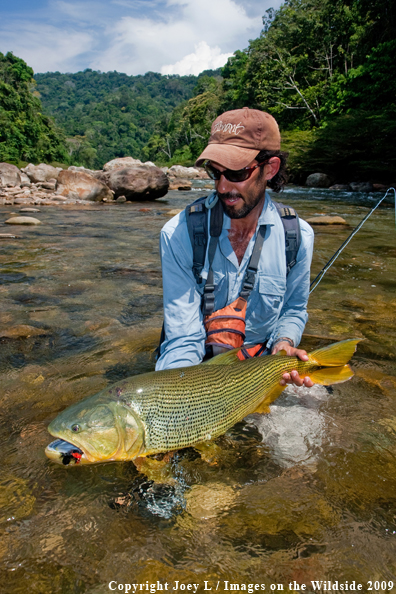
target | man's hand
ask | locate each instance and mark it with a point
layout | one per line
(293, 377)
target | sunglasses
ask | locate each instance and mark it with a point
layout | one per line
(231, 175)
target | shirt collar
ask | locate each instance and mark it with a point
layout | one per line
(267, 216)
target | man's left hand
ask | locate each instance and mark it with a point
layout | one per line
(293, 377)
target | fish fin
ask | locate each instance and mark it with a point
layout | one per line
(210, 452)
(159, 471)
(228, 358)
(334, 355)
(331, 375)
(282, 352)
(270, 397)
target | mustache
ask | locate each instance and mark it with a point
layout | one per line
(229, 195)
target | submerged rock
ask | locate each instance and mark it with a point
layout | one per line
(22, 331)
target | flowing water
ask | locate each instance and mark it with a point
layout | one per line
(304, 494)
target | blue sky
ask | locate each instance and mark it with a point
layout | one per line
(131, 36)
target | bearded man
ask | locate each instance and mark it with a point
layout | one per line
(246, 293)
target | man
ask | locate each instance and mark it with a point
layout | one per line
(243, 156)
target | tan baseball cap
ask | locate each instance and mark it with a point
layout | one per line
(237, 136)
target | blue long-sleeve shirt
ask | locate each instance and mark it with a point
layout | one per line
(277, 306)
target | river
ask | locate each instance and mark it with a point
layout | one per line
(306, 493)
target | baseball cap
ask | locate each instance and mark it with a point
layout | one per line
(237, 136)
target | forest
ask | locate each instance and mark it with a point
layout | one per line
(325, 69)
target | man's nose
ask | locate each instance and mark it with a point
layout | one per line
(223, 185)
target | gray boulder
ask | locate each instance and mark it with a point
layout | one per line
(83, 186)
(361, 186)
(318, 180)
(9, 175)
(42, 172)
(138, 183)
(121, 163)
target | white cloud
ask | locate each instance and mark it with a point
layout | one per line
(132, 36)
(142, 44)
(204, 58)
(45, 48)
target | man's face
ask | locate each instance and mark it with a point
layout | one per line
(240, 198)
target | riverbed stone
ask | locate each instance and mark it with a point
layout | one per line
(138, 183)
(184, 172)
(42, 172)
(326, 220)
(9, 175)
(22, 331)
(23, 221)
(361, 186)
(82, 185)
(121, 163)
(341, 187)
(318, 180)
(180, 184)
(29, 209)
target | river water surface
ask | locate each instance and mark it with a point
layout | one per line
(306, 493)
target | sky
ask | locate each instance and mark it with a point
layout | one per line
(130, 36)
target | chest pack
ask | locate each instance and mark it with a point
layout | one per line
(197, 217)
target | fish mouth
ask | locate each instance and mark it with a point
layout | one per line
(64, 452)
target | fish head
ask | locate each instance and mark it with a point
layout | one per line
(95, 430)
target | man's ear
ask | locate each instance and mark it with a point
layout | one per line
(272, 168)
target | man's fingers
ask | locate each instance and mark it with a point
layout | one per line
(294, 378)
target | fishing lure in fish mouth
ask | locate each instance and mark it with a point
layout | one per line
(64, 452)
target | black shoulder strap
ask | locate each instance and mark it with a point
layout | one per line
(197, 225)
(291, 226)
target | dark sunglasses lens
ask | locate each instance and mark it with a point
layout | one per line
(212, 172)
(237, 176)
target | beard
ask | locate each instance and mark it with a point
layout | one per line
(244, 210)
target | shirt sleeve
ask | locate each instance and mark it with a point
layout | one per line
(184, 343)
(294, 316)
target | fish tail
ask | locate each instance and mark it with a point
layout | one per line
(333, 360)
(334, 355)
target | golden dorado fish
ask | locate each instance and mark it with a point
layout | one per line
(168, 410)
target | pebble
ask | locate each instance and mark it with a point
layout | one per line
(29, 210)
(23, 221)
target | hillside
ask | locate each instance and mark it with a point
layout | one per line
(25, 133)
(110, 114)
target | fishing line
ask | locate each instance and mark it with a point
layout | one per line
(321, 274)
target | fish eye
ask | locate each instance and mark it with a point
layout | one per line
(75, 428)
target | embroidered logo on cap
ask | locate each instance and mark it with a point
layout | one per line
(230, 128)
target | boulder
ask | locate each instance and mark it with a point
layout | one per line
(138, 183)
(82, 185)
(318, 180)
(184, 172)
(361, 186)
(344, 187)
(42, 172)
(327, 220)
(180, 184)
(9, 175)
(121, 163)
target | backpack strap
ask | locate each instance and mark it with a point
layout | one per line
(216, 226)
(197, 225)
(291, 226)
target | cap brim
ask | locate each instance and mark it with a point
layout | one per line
(227, 155)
